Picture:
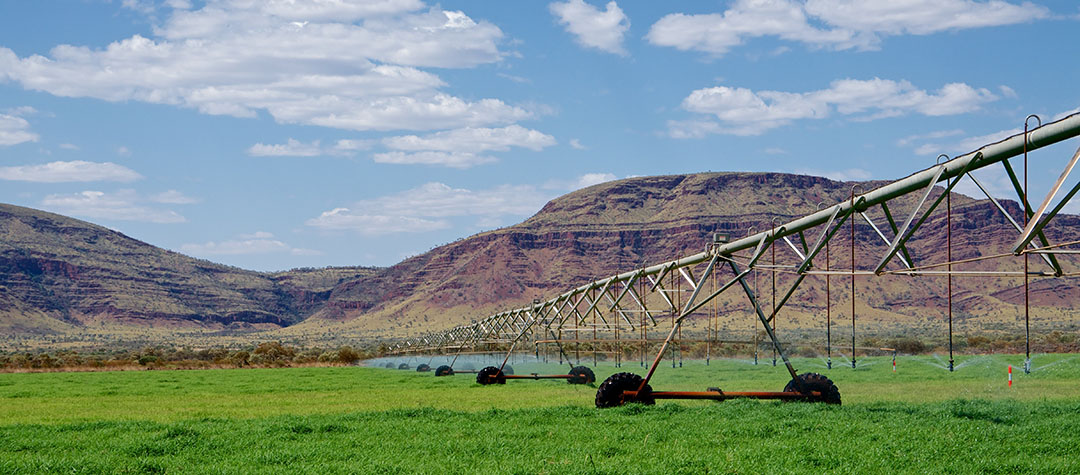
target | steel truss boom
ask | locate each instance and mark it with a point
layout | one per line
(571, 310)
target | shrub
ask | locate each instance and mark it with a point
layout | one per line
(347, 355)
(308, 356)
(272, 353)
(978, 341)
(240, 358)
(908, 345)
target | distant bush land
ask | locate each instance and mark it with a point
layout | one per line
(271, 354)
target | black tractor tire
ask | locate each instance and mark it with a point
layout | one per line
(490, 375)
(508, 370)
(403, 366)
(422, 368)
(815, 382)
(444, 370)
(582, 375)
(610, 393)
(389, 365)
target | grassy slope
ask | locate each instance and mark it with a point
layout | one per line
(376, 420)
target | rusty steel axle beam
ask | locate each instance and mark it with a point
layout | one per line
(539, 376)
(724, 395)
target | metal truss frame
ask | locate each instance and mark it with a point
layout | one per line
(625, 297)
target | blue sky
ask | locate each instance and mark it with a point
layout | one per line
(287, 133)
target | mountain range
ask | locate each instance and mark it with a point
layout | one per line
(68, 282)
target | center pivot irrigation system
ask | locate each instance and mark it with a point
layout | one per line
(619, 305)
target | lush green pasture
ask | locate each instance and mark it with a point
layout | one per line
(362, 420)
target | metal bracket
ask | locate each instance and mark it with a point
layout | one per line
(1036, 225)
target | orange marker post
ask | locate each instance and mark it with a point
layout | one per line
(1010, 376)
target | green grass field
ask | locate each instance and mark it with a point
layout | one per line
(373, 420)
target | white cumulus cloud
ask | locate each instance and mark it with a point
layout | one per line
(742, 111)
(296, 148)
(350, 145)
(173, 197)
(178, 4)
(921, 17)
(835, 24)
(374, 224)
(141, 6)
(331, 63)
(428, 207)
(123, 205)
(73, 171)
(461, 148)
(583, 181)
(15, 130)
(590, 179)
(460, 160)
(904, 142)
(260, 242)
(292, 148)
(593, 28)
(473, 139)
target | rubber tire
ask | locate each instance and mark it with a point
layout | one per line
(444, 370)
(582, 375)
(610, 393)
(816, 382)
(403, 366)
(508, 370)
(422, 368)
(389, 365)
(490, 375)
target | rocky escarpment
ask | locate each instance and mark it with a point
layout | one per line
(65, 270)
